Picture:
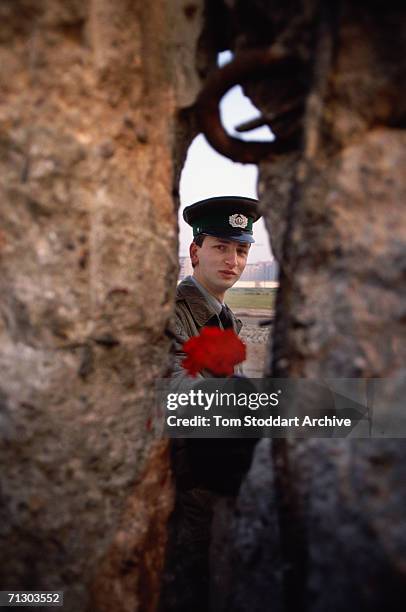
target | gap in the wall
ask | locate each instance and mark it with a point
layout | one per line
(206, 173)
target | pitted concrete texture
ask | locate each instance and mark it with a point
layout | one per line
(334, 207)
(89, 155)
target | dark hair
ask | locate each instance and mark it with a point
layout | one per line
(198, 240)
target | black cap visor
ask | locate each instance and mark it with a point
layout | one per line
(242, 237)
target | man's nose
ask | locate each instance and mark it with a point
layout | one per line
(231, 258)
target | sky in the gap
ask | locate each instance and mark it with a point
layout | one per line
(207, 173)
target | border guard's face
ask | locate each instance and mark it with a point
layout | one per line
(219, 262)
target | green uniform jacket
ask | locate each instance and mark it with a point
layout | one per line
(192, 313)
(203, 465)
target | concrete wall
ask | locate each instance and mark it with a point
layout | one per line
(90, 147)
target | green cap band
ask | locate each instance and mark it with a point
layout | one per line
(229, 225)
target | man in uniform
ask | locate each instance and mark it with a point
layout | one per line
(206, 470)
(222, 236)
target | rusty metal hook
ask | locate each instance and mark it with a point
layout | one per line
(246, 66)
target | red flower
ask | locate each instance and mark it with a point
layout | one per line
(214, 349)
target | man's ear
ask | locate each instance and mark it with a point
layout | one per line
(193, 250)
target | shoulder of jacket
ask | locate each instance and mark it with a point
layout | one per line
(181, 318)
(184, 288)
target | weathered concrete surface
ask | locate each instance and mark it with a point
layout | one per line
(255, 564)
(129, 576)
(341, 313)
(91, 92)
(352, 501)
(347, 292)
(335, 211)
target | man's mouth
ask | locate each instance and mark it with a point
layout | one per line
(227, 273)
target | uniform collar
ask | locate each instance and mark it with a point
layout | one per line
(213, 301)
(202, 310)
